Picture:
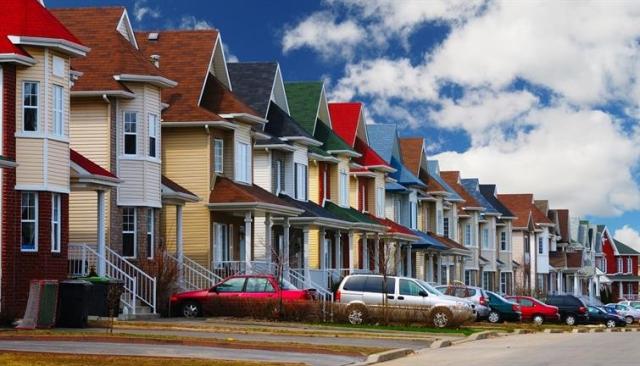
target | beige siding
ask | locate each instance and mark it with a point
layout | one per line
(58, 165)
(32, 73)
(185, 153)
(89, 129)
(83, 217)
(262, 169)
(29, 156)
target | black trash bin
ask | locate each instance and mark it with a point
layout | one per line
(105, 296)
(74, 303)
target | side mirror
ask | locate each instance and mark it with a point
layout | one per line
(423, 293)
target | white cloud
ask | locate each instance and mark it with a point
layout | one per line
(230, 57)
(629, 236)
(142, 10)
(324, 34)
(191, 22)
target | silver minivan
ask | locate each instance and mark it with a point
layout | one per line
(361, 292)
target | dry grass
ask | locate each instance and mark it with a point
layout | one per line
(52, 359)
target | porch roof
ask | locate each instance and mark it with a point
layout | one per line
(624, 278)
(228, 195)
(331, 142)
(85, 174)
(351, 215)
(394, 187)
(6, 162)
(427, 242)
(314, 213)
(172, 192)
(396, 230)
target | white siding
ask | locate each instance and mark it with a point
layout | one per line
(262, 169)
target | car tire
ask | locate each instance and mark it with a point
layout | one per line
(357, 314)
(628, 319)
(570, 320)
(610, 324)
(191, 309)
(538, 319)
(441, 317)
(494, 317)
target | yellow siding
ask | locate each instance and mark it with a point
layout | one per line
(82, 217)
(353, 192)
(185, 156)
(314, 183)
(89, 130)
(355, 249)
(29, 158)
(314, 247)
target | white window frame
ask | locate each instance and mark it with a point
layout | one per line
(413, 208)
(152, 126)
(397, 209)
(300, 181)
(125, 133)
(485, 238)
(58, 67)
(278, 177)
(439, 222)
(243, 166)
(620, 265)
(629, 265)
(218, 155)
(56, 222)
(380, 201)
(220, 242)
(134, 232)
(467, 235)
(344, 188)
(36, 107)
(325, 182)
(504, 246)
(151, 233)
(363, 198)
(58, 110)
(540, 245)
(34, 220)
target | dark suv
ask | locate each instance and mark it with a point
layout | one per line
(572, 309)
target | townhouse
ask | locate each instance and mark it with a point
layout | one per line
(620, 266)
(35, 81)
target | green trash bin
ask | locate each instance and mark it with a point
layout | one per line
(105, 295)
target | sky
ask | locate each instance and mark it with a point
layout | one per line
(539, 97)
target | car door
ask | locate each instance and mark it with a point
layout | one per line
(411, 294)
(374, 291)
(258, 288)
(233, 287)
(526, 307)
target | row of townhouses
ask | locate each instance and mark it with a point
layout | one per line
(121, 146)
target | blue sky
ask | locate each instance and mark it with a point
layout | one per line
(525, 96)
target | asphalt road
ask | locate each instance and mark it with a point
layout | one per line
(125, 349)
(566, 349)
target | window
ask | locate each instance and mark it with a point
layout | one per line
(527, 249)
(150, 236)
(396, 209)
(58, 66)
(505, 282)
(344, 189)
(485, 238)
(503, 241)
(467, 235)
(487, 280)
(153, 135)
(258, 285)
(380, 201)
(413, 207)
(231, 285)
(243, 163)
(58, 110)
(221, 243)
(218, 155)
(278, 177)
(29, 222)
(376, 284)
(129, 232)
(439, 222)
(470, 277)
(445, 231)
(30, 106)
(540, 245)
(526, 303)
(55, 222)
(130, 133)
(326, 185)
(410, 288)
(301, 182)
(620, 265)
(629, 265)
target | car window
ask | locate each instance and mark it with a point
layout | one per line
(496, 297)
(231, 285)
(525, 302)
(355, 283)
(376, 284)
(258, 285)
(409, 288)
(430, 289)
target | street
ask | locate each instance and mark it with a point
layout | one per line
(567, 349)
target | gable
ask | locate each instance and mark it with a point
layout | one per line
(124, 28)
(278, 94)
(218, 64)
(323, 109)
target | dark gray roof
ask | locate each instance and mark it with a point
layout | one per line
(489, 193)
(283, 125)
(311, 209)
(253, 82)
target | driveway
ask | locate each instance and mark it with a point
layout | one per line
(567, 349)
(165, 350)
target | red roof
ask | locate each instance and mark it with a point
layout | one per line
(226, 190)
(452, 178)
(520, 205)
(411, 149)
(392, 226)
(175, 186)
(28, 18)
(88, 165)
(369, 156)
(344, 120)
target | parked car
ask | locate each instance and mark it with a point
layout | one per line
(476, 295)
(572, 309)
(633, 303)
(502, 309)
(627, 312)
(535, 310)
(598, 315)
(260, 287)
(363, 292)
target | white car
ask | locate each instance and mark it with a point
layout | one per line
(629, 313)
(633, 303)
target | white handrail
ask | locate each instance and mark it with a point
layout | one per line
(145, 284)
(194, 275)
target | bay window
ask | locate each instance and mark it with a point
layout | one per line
(153, 135)
(30, 105)
(485, 238)
(503, 241)
(130, 133)
(58, 110)
(467, 235)
(29, 221)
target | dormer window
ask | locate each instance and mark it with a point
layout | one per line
(30, 106)
(130, 133)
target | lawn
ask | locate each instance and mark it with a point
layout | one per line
(52, 359)
(408, 328)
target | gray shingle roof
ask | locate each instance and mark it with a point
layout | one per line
(253, 82)
(489, 193)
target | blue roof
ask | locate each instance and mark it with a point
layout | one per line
(427, 241)
(381, 139)
(434, 172)
(403, 175)
(395, 187)
(489, 193)
(472, 186)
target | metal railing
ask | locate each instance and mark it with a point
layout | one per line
(146, 285)
(225, 269)
(322, 291)
(82, 259)
(194, 276)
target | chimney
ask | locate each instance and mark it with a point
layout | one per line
(156, 60)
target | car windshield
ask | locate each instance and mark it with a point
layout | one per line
(499, 297)
(430, 289)
(286, 285)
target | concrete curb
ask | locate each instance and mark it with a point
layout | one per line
(579, 330)
(596, 330)
(482, 335)
(442, 343)
(386, 356)
(554, 331)
(523, 331)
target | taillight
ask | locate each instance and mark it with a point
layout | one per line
(582, 310)
(483, 301)
(337, 297)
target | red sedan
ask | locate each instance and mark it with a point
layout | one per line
(259, 287)
(535, 310)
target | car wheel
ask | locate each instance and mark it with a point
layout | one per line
(441, 317)
(191, 309)
(611, 324)
(570, 320)
(357, 314)
(494, 317)
(628, 319)
(538, 320)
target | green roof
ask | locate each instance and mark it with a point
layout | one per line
(349, 214)
(330, 141)
(303, 99)
(317, 150)
(625, 249)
